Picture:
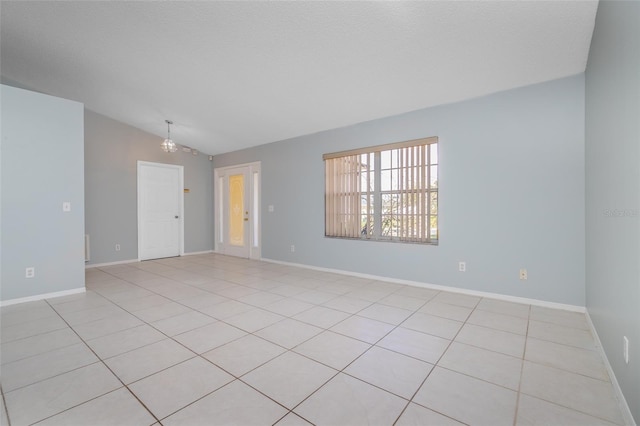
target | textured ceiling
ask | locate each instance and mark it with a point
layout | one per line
(238, 74)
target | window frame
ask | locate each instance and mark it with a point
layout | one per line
(345, 194)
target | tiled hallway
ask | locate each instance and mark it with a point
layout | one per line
(209, 339)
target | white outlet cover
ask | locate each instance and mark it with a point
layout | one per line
(66, 206)
(271, 209)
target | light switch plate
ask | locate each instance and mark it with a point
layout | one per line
(66, 206)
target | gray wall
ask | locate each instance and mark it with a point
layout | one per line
(112, 150)
(511, 195)
(613, 188)
(42, 167)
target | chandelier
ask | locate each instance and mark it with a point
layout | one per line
(168, 145)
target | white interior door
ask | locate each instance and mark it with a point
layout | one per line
(160, 210)
(237, 211)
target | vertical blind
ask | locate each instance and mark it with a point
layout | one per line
(343, 201)
(388, 192)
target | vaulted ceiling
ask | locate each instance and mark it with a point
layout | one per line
(238, 74)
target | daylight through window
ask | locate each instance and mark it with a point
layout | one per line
(387, 192)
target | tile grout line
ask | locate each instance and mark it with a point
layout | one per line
(238, 378)
(82, 341)
(528, 321)
(4, 406)
(434, 367)
(313, 360)
(520, 393)
(108, 368)
(306, 289)
(358, 357)
(524, 353)
(4, 365)
(326, 329)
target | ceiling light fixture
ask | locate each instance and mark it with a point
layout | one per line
(168, 145)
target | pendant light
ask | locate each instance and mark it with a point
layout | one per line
(168, 145)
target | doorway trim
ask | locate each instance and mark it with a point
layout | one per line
(255, 201)
(180, 169)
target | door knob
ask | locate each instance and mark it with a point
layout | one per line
(176, 217)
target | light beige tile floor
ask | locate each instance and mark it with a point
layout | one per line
(209, 339)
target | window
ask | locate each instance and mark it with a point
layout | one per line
(387, 193)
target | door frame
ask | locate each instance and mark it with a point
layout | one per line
(180, 201)
(255, 196)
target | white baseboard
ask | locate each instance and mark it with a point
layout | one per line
(198, 252)
(42, 296)
(506, 298)
(120, 262)
(624, 407)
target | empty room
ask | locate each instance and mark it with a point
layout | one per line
(320, 213)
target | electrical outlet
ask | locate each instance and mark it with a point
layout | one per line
(523, 274)
(30, 272)
(293, 248)
(117, 247)
(66, 206)
(271, 208)
(625, 349)
(462, 266)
